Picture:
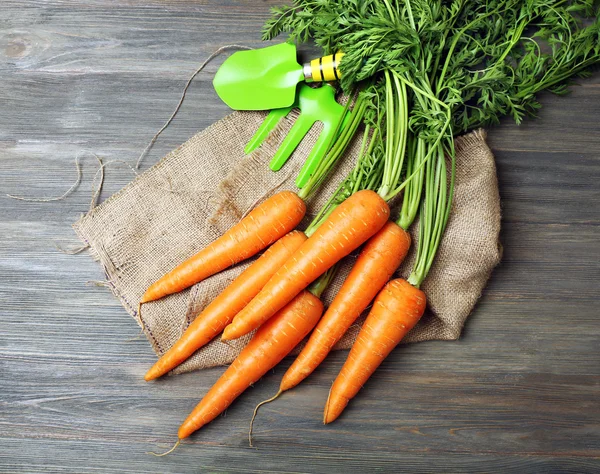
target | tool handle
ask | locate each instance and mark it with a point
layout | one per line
(323, 69)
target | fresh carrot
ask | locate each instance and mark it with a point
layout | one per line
(376, 263)
(271, 343)
(265, 224)
(395, 311)
(349, 225)
(219, 313)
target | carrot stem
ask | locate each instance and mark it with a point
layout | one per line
(320, 284)
(338, 147)
(437, 204)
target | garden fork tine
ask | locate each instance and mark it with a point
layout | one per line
(315, 105)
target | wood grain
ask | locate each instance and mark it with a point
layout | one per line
(518, 393)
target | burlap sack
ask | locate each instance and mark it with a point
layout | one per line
(202, 188)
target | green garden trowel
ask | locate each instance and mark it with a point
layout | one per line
(266, 78)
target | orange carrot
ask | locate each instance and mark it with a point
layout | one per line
(271, 343)
(219, 313)
(351, 224)
(376, 263)
(395, 311)
(268, 222)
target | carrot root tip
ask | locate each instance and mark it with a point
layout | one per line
(158, 455)
(149, 376)
(326, 413)
(269, 400)
(136, 337)
(140, 322)
(145, 298)
(139, 316)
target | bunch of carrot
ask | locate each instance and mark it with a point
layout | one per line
(279, 294)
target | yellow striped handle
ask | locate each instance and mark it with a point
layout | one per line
(323, 69)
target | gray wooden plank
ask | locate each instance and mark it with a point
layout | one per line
(517, 393)
(244, 460)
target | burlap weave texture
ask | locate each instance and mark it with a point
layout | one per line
(202, 188)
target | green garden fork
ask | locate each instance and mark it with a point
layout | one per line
(315, 104)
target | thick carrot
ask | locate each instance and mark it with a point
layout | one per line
(268, 222)
(271, 343)
(351, 224)
(376, 263)
(219, 313)
(395, 311)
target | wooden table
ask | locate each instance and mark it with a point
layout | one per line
(518, 392)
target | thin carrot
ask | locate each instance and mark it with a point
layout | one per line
(395, 311)
(268, 222)
(219, 313)
(271, 343)
(376, 263)
(349, 225)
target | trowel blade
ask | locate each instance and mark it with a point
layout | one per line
(259, 79)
